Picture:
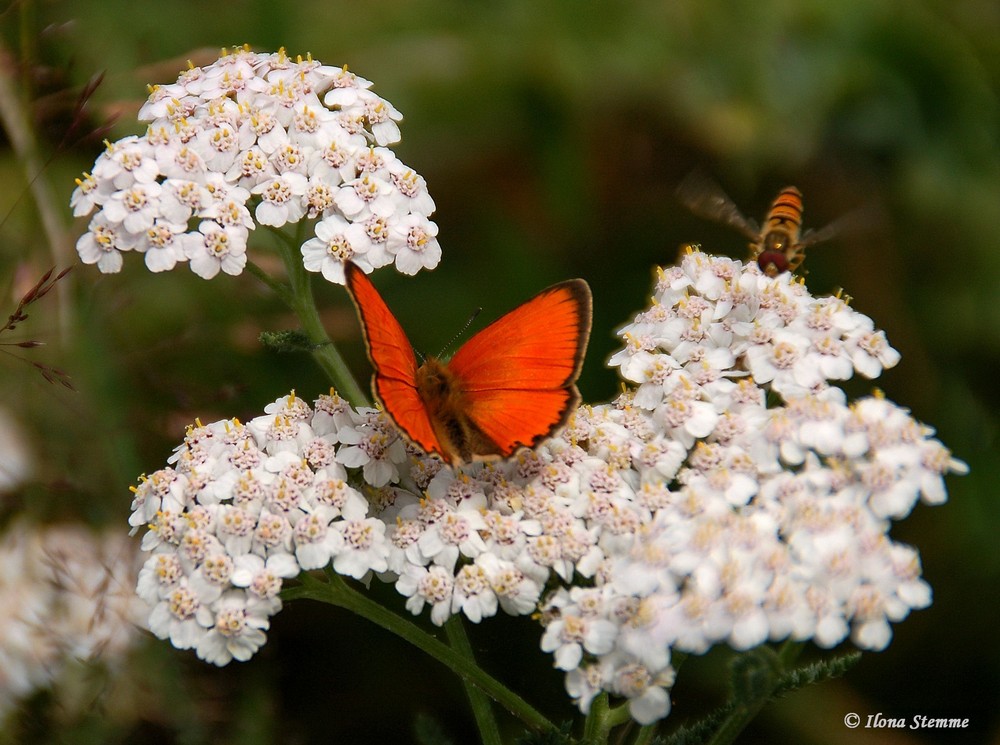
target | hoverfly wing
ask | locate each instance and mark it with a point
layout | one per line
(705, 198)
(852, 222)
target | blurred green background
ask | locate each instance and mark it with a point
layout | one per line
(552, 136)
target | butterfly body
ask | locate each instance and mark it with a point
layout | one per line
(445, 400)
(510, 386)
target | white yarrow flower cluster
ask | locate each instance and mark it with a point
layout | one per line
(687, 513)
(66, 594)
(258, 139)
(242, 508)
(752, 522)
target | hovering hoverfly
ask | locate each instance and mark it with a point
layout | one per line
(779, 246)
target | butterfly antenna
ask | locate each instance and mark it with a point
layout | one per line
(475, 314)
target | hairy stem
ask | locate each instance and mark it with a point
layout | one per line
(298, 296)
(601, 719)
(482, 709)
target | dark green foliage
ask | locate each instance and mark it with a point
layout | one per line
(754, 675)
(817, 672)
(757, 679)
(285, 341)
(562, 736)
(427, 730)
(700, 731)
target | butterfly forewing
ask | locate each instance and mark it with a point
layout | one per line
(394, 362)
(537, 346)
(517, 375)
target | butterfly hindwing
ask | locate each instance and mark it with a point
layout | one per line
(394, 362)
(518, 418)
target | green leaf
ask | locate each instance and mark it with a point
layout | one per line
(284, 342)
(560, 736)
(754, 675)
(817, 672)
(699, 732)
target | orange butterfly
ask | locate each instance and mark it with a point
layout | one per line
(511, 385)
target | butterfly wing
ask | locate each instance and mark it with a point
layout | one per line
(389, 350)
(517, 375)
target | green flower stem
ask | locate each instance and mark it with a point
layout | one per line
(482, 709)
(737, 720)
(279, 289)
(299, 297)
(645, 734)
(601, 719)
(744, 712)
(336, 592)
(324, 352)
(789, 652)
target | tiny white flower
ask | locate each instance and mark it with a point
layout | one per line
(473, 594)
(428, 586)
(238, 630)
(248, 569)
(413, 241)
(181, 199)
(163, 245)
(89, 193)
(410, 190)
(571, 634)
(375, 447)
(129, 161)
(316, 540)
(383, 118)
(181, 617)
(281, 199)
(337, 242)
(365, 548)
(365, 196)
(216, 247)
(103, 243)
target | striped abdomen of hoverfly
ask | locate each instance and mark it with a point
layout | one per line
(778, 248)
